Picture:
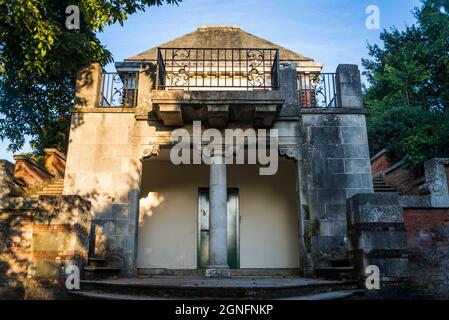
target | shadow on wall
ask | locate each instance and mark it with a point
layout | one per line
(39, 238)
(115, 201)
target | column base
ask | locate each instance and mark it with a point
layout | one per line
(218, 272)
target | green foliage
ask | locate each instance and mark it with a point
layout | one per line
(408, 93)
(39, 59)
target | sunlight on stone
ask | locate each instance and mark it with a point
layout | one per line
(153, 200)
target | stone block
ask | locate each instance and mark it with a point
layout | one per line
(391, 269)
(354, 135)
(107, 165)
(325, 136)
(357, 166)
(325, 248)
(374, 208)
(333, 228)
(383, 240)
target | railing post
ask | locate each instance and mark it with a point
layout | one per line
(289, 84)
(349, 86)
(145, 84)
(88, 86)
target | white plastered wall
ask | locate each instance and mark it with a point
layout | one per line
(168, 216)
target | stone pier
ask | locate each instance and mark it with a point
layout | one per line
(218, 248)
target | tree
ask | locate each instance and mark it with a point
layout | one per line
(408, 92)
(39, 60)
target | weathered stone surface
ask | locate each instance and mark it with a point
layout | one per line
(43, 240)
(375, 208)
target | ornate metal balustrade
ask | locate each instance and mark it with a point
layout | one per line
(204, 69)
(317, 90)
(119, 89)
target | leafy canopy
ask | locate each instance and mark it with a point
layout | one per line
(39, 59)
(408, 92)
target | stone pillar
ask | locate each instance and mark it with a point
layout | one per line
(218, 247)
(145, 86)
(88, 86)
(349, 86)
(437, 182)
(289, 84)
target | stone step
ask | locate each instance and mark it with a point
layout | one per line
(92, 295)
(326, 296)
(340, 262)
(96, 262)
(202, 288)
(54, 188)
(335, 273)
(96, 272)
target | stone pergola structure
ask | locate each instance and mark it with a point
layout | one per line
(328, 145)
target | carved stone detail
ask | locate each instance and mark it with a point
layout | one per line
(151, 151)
(290, 152)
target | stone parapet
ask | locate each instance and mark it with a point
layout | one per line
(31, 174)
(55, 162)
(377, 237)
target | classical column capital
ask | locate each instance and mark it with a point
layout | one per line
(151, 151)
(290, 152)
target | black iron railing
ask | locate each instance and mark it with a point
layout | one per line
(198, 68)
(317, 90)
(119, 89)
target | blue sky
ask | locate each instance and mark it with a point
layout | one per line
(329, 31)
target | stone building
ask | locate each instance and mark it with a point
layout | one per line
(119, 156)
(151, 185)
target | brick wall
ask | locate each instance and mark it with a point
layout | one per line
(428, 242)
(379, 163)
(39, 237)
(406, 181)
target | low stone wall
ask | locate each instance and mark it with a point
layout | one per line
(39, 238)
(407, 237)
(428, 248)
(377, 237)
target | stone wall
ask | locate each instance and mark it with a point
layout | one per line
(447, 174)
(40, 237)
(8, 187)
(377, 236)
(428, 248)
(55, 162)
(336, 157)
(104, 166)
(406, 236)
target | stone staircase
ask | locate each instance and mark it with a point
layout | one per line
(56, 187)
(340, 269)
(200, 288)
(97, 269)
(381, 186)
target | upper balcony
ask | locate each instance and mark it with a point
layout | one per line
(219, 85)
(202, 69)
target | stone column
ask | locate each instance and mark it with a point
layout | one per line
(349, 86)
(218, 198)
